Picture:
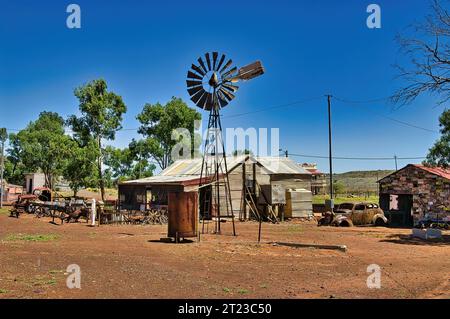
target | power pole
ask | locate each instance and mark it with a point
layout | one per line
(3, 137)
(329, 146)
(286, 153)
(395, 159)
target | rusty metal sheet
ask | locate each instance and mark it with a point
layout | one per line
(183, 214)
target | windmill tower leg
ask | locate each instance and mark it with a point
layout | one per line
(227, 181)
(205, 176)
(214, 173)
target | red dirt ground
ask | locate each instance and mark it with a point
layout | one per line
(128, 261)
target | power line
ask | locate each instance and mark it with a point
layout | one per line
(345, 101)
(274, 107)
(384, 116)
(358, 158)
(363, 101)
(232, 115)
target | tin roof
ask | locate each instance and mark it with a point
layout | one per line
(314, 171)
(188, 170)
(185, 170)
(281, 165)
(439, 171)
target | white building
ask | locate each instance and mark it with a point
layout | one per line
(34, 180)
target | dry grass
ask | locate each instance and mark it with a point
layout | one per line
(320, 199)
(29, 237)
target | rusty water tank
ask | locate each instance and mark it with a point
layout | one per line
(183, 215)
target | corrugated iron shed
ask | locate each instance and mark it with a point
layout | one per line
(187, 171)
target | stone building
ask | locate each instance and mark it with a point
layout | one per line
(409, 193)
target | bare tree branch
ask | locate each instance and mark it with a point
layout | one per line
(429, 54)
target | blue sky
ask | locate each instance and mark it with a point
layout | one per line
(144, 49)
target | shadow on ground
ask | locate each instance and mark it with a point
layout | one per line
(169, 241)
(410, 240)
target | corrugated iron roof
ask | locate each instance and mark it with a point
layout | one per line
(160, 179)
(440, 171)
(186, 170)
(281, 165)
(192, 167)
(313, 171)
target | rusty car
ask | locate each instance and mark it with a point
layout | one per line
(349, 214)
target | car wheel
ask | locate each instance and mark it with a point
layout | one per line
(346, 223)
(379, 222)
(321, 222)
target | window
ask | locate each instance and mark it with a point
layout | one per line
(360, 207)
(346, 206)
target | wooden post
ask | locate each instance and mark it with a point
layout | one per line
(244, 192)
(2, 168)
(259, 229)
(100, 210)
(93, 212)
(254, 178)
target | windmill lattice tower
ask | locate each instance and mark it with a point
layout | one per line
(211, 86)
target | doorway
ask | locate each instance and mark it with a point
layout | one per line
(30, 186)
(205, 202)
(398, 209)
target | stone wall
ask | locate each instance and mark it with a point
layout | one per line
(431, 193)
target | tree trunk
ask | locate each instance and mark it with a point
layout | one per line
(100, 173)
(48, 181)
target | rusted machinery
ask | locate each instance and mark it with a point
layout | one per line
(183, 215)
(41, 204)
(24, 204)
(27, 203)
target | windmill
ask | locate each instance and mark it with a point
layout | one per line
(211, 85)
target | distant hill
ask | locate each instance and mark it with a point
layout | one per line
(361, 181)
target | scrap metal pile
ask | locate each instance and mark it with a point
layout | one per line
(111, 214)
(66, 209)
(71, 209)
